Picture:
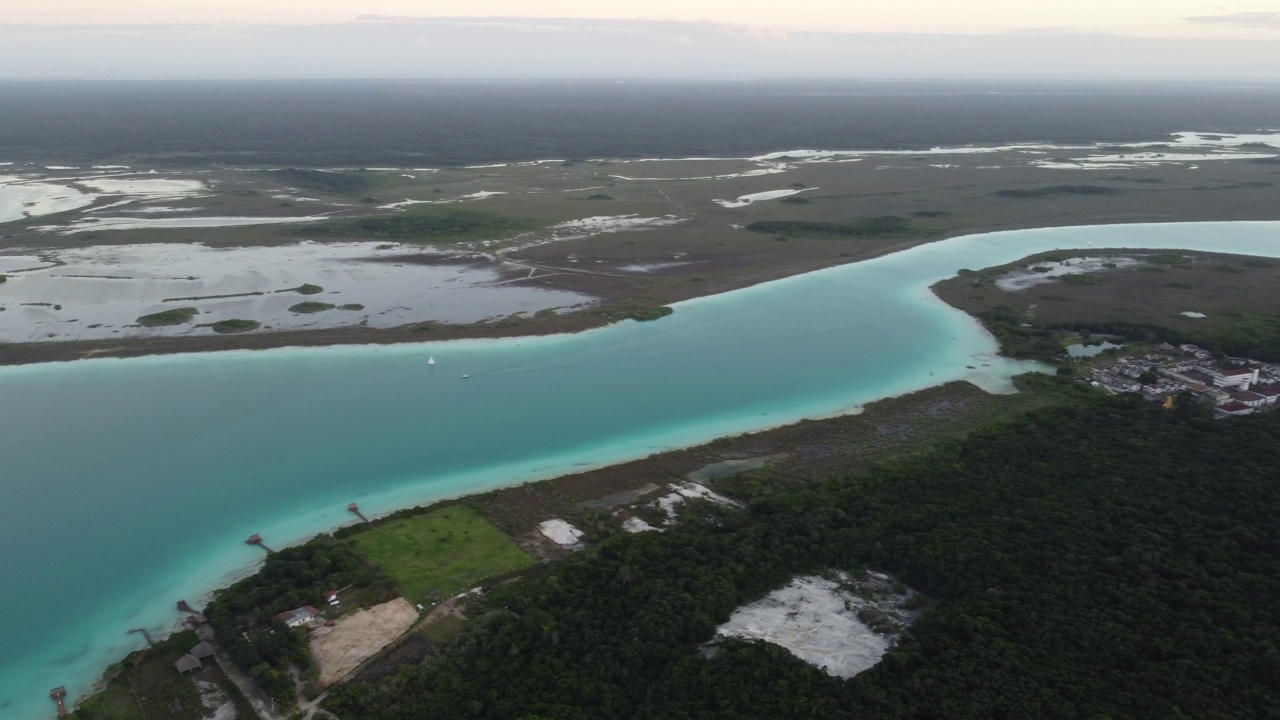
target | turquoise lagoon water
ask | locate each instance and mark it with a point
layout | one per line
(126, 485)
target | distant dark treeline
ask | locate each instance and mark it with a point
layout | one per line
(407, 123)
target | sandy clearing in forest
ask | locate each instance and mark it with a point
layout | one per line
(818, 621)
(341, 648)
(561, 533)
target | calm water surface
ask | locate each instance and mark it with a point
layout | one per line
(126, 485)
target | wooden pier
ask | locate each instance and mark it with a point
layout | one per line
(256, 539)
(194, 617)
(353, 507)
(145, 634)
(59, 695)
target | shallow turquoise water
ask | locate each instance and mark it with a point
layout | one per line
(129, 484)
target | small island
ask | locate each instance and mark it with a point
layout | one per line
(305, 308)
(177, 316)
(235, 325)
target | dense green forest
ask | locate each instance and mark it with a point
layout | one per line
(1251, 335)
(1100, 559)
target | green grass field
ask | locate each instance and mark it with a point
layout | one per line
(433, 556)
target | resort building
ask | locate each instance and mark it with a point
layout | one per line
(1245, 397)
(1234, 408)
(1241, 388)
(300, 616)
(1270, 393)
(1240, 378)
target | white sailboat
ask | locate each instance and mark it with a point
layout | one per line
(431, 360)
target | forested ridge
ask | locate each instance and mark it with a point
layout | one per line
(1102, 559)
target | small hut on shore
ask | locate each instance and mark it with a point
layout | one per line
(187, 663)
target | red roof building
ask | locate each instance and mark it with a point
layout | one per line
(1239, 378)
(1269, 393)
(1234, 408)
(301, 616)
(1252, 399)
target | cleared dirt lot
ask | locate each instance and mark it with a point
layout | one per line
(340, 648)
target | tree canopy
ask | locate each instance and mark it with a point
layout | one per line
(1105, 558)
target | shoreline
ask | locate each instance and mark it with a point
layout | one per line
(800, 428)
(942, 410)
(28, 353)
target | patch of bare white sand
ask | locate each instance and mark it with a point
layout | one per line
(218, 704)
(20, 198)
(596, 224)
(650, 267)
(147, 223)
(636, 525)
(295, 198)
(32, 197)
(821, 621)
(690, 491)
(1045, 272)
(352, 639)
(745, 200)
(561, 533)
(154, 210)
(150, 188)
(481, 195)
(1181, 140)
(1202, 139)
(584, 228)
(1142, 159)
(763, 168)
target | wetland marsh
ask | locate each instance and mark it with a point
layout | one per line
(539, 246)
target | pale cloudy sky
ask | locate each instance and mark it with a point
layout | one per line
(653, 39)
(1143, 18)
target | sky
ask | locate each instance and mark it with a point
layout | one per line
(705, 39)
(1141, 18)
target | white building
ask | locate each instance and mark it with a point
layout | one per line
(300, 616)
(1239, 378)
